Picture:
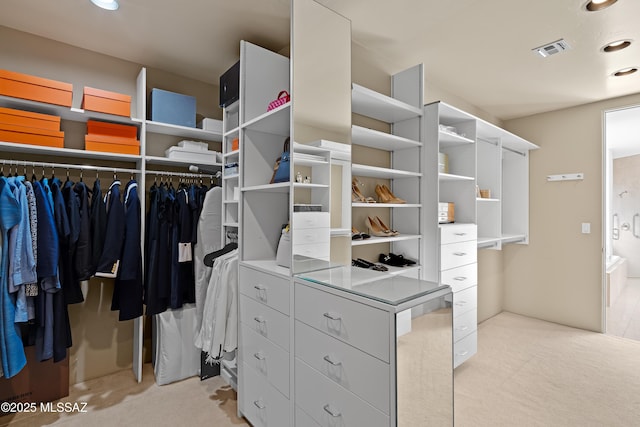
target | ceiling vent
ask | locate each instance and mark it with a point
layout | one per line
(552, 48)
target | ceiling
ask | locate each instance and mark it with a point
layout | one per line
(477, 50)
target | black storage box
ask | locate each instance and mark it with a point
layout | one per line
(230, 86)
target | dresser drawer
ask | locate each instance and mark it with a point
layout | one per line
(311, 236)
(458, 254)
(266, 321)
(460, 278)
(303, 220)
(356, 371)
(263, 405)
(317, 251)
(464, 324)
(266, 288)
(330, 405)
(455, 233)
(304, 420)
(362, 326)
(465, 301)
(266, 358)
(465, 348)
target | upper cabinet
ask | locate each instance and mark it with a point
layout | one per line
(386, 198)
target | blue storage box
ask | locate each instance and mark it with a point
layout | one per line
(171, 107)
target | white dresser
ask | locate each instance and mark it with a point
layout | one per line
(459, 270)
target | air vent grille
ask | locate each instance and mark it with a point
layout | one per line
(552, 48)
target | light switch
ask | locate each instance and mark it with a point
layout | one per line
(586, 228)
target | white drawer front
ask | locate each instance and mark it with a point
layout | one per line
(464, 324)
(331, 405)
(317, 251)
(263, 405)
(454, 233)
(266, 358)
(310, 236)
(304, 420)
(310, 220)
(266, 321)
(458, 254)
(362, 326)
(356, 371)
(266, 288)
(461, 277)
(465, 301)
(465, 348)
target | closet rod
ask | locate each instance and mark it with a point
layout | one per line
(488, 141)
(184, 174)
(26, 163)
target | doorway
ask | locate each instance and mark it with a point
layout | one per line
(622, 225)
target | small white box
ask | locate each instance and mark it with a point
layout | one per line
(193, 145)
(211, 125)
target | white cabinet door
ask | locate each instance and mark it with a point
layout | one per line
(458, 254)
(264, 406)
(266, 321)
(460, 278)
(265, 288)
(267, 359)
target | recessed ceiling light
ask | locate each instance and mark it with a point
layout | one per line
(106, 4)
(596, 5)
(625, 71)
(618, 45)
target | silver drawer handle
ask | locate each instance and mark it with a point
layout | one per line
(259, 288)
(460, 253)
(460, 278)
(332, 316)
(461, 303)
(259, 320)
(328, 410)
(460, 234)
(464, 353)
(328, 359)
(259, 356)
(259, 404)
(463, 328)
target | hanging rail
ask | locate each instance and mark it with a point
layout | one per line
(54, 165)
(184, 174)
(488, 141)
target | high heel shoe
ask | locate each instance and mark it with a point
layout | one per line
(355, 189)
(376, 230)
(385, 228)
(390, 197)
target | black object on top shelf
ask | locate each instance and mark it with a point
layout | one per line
(230, 86)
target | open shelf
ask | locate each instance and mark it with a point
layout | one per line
(385, 205)
(230, 202)
(372, 104)
(157, 160)
(231, 155)
(230, 224)
(230, 177)
(374, 240)
(448, 139)
(268, 266)
(380, 140)
(233, 132)
(281, 187)
(66, 152)
(340, 232)
(451, 177)
(274, 122)
(182, 131)
(383, 173)
(301, 185)
(483, 199)
(307, 162)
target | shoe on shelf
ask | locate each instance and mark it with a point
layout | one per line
(375, 229)
(386, 259)
(358, 263)
(402, 259)
(379, 267)
(386, 196)
(355, 189)
(387, 229)
(357, 235)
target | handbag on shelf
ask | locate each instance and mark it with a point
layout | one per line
(283, 165)
(283, 98)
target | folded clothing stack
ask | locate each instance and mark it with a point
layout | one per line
(193, 151)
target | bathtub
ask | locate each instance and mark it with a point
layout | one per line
(616, 278)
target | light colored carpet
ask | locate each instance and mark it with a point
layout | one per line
(527, 373)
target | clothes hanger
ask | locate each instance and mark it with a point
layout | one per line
(210, 258)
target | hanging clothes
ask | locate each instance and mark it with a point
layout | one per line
(98, 228)
(128, 290)
(11, 350)
(110, 259)
(154, 300)
(83, 254)
(67, 214)
(31, 289)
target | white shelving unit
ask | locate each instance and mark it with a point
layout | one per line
(402, 112)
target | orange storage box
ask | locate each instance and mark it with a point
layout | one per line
(91, 143)
(95, 127)
(32, 136)
(25, 86)
(235, 144)
(106, 102)
(28, 119)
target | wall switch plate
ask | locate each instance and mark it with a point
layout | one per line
(586, 228)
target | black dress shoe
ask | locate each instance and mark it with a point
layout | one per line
(386, 259)
(402, 259)
(358, 263)
(365, 262)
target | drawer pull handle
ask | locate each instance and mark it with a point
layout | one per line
(328, 359)
(259, 404)
(259, 320)
(260, 288)
(464, 353)
(461, 303)
(460, 253)
(328, 410)
(332, 316)
(460, 234)
(259, 356)
(462, 328)
(460, 278)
